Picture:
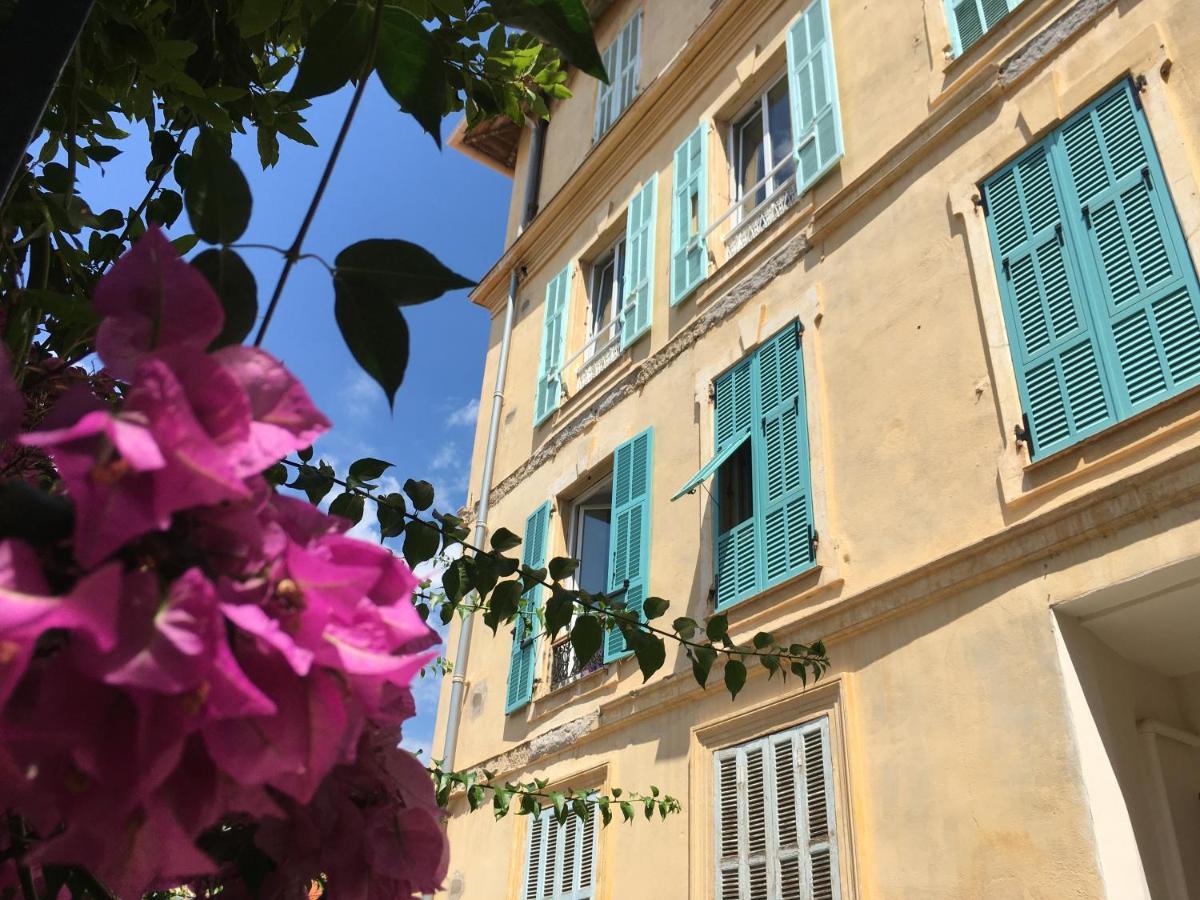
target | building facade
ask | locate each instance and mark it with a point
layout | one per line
(875, 322)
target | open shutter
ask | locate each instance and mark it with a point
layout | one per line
(737, 549)
(1064, 387)
(554, 339)
(782, 464)
(523, 660)
(812, 90)
(637, 306)
(1139, 260)
(630, 534)
(819, 832)
(689, 214)
(605, 93)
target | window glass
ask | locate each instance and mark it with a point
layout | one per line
(762, 141)
(592, 547)
(735, 489)
(779, 118)
(607, 288)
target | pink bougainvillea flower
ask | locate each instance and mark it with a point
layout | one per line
(283, 416)
(179, 646)
(255, 622)
(26, 612)
(108, 464)
(153, 302)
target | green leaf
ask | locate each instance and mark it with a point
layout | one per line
(390, 509)
(421, 543)
(685, 627)
(420, 492)
(276, 475)
(605, 812)
(101, 154)
(717, 627)
(165, 208)
(564, 24)
(338, 42)
(348, 505)
(377, 336)
(234, 283)
(561, 567)
(580, 808)
(735, 677)
(654, 607)
(409, 63)
(256, 16)
(217, 195)
(559, 802)
(559, 609)
(501, 800)
(651, 651)
(185, 244)
(452, 582)
(392, 271)
(368, 468)
(315, 481)
(504, 539)
(702, 663)
(306, 454)
(586, 637)
(627, 810)
(503, 604)
(763, 640)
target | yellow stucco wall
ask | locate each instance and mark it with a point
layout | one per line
(942, 550)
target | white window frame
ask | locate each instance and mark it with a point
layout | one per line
(771, 182)
(542, 823)
(596, 343)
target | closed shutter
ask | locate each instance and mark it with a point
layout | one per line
(689, 214)
(523, 660)
(637, 306)
(782, 465)
(970, 19)
(737, 549)
(1139, 261)
(554, 340)
(622, 62)
(560, 859)
(630, 531)
(1064, 387)
(812, 90)
(775, 836)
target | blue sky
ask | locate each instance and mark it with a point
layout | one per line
(391, 182)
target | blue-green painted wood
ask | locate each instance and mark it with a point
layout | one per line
(637, 306)
(689, 214)
(629, 541)
(709, 468)
(622, 61)
(554, 342)
(813, 94)
(522, 663)
(969, 20)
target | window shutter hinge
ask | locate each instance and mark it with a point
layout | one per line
(1004, 265)
(1139, 84)
(1087, 218)
(1146, 178)
(1023, 433)
(1058, 233)
(712, 392)
(980, 201)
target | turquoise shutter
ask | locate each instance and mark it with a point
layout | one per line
(1064, 387)
(637, 306)
(737, 549)
(554, 340)
(782, 465)
(630, 530)
(622, 62)
(970, 19)
(1139, 260)
(812, 90)
(523, 661)
(689, 214)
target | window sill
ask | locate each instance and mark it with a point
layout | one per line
(803, 592)
(1163, 430)
(554, 699)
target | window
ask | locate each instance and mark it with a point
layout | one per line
(591, 524)
(971, 19)
(1100, 296)
(689, 214)
(763, 514)
(526, 631)
(622, 62)
(554, 344)
(629, 573)
(605, 293)
(774, 813)
(560, 859)
(761, 149)
(812, 90)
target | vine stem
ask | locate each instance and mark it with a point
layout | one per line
(293, 253)
(730, 652)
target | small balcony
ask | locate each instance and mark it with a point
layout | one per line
(565, 667)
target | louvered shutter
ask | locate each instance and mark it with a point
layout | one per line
(554, 340)
(1139, 260)
(1064, 387)
(630, 531)
(737, 549)
(971, 19)
(782, 464)
(560, 859)
(622, 62)
(689, 214)
(637, 305)
(775, 835)
(812, 91)
(523, 661)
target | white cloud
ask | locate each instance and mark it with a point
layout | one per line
(361, 395)
(464, 415)
(445, 458)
